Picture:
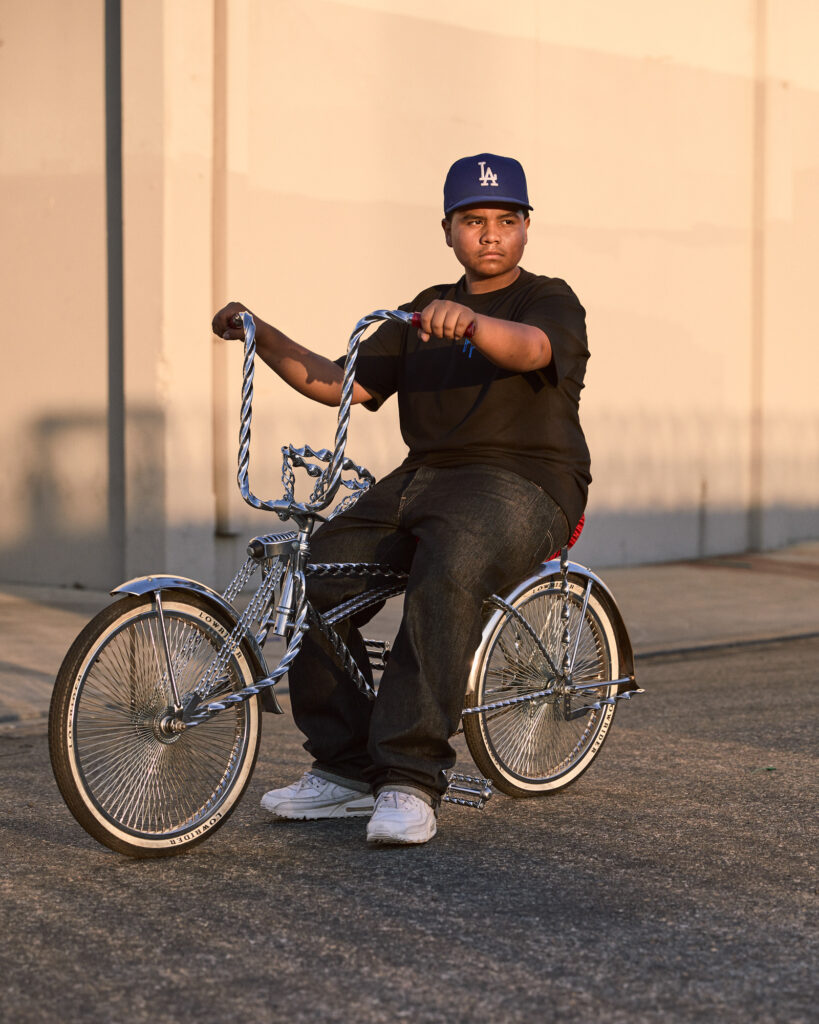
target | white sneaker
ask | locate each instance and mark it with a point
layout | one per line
(400, 818)
(313, 797)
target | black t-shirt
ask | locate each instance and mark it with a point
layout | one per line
(456, 408)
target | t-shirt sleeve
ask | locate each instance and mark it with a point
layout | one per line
(376, 368)
(556, 310)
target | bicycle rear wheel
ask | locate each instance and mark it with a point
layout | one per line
(131, 785)
(535, 746)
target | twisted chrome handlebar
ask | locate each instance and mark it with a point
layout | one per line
(329, 479)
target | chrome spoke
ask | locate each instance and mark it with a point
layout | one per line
(147, 781)
(533, 736)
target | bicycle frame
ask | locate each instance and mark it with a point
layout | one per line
(280, 604)
(553, 660)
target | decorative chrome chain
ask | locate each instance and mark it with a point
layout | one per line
(253, 613)
(297, 457)
(194, 641)
(207, 711)
(239, 581)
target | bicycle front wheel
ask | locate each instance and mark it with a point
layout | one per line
(540, 745)
(131, 785)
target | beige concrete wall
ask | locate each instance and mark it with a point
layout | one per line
(53, 416)
(291, 154)
(167, 145)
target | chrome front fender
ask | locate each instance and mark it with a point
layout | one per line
(582, 575)
(142, 585)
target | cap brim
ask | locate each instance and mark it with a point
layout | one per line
(483, 199)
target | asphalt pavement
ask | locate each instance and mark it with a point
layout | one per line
(668, 608)
(675, 882)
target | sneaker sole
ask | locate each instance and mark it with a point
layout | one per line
(391, 840)
(353, 809)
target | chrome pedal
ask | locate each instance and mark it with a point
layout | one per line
(467, 790)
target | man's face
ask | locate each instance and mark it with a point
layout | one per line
(488, 241)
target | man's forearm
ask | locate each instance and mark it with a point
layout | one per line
(308, 372)
(518, 347)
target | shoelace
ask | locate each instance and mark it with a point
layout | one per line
(395, 798)
(310, 781)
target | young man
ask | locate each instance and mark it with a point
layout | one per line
(495, 480)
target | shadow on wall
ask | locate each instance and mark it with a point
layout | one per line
(669, 485)
(614, 537)
(64, 525)
(63, 522)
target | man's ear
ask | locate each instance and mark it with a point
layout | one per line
(447, 226)
(525, 230)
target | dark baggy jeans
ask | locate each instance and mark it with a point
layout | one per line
(462, 534)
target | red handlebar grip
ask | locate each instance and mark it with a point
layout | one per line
(469, 333)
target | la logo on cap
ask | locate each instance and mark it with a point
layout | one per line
(487, 177)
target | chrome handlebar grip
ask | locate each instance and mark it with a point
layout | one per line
(330, 478)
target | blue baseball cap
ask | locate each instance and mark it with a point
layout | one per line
(485, 178)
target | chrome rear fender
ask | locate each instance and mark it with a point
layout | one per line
(142, 585)
(578, 574)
